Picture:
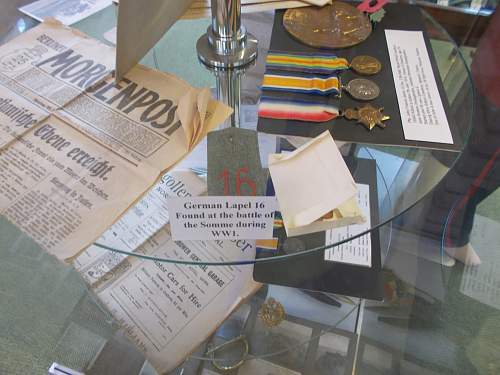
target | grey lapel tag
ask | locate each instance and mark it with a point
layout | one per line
(234, 166)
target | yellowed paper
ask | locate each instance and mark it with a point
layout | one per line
(76, 148)
(167, 310)
(311, 182)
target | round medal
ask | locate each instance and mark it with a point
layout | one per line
(338, 25)
(366, 65)
(272, 312)
(363, 89)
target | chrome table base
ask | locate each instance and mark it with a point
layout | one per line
(226, 43)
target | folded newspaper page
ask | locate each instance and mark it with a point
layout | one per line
(78, 149)
(166, 309)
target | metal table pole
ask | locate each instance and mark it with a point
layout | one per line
(226, 43)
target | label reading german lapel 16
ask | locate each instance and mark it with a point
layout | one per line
(221, 218)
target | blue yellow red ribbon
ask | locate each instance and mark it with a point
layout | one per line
(302, 84)
(296, 109)
(321, 63)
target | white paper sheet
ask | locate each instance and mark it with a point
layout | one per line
(310, 181)
(422, 111)
(482, 283)
(359, 250)
(66, 11)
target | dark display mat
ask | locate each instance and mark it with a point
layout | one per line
(312, 272)
(398, 17)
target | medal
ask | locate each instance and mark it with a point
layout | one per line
(362, 89)
(366, 65)
(367, 115)
(272, 312)
(338, 25)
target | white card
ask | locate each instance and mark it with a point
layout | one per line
(359, 250)
(221, 218)
(422, 111)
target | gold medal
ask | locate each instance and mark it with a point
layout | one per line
(366, 65)
(338, 25)
(367, 115)
(272, 312)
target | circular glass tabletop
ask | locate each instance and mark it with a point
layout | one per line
(403, 176)
(400, 175)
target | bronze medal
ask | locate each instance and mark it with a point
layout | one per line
(272, 312)
(338, 25)
(367, 115)
(366, 65)
(362, 89)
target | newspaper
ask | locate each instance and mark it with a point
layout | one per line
(166, 309)
(67, 12)
(78, 149)
(138, 224)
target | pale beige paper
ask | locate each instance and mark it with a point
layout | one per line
(117, 132)
(17, 115)
(49, 204)
(347, 213)
(126, 133)
(37, 83)
(140, 25)
(310, 181)
(137, 225)
(166, 336)
(108, 272)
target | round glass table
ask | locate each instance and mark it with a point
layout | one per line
(49, 314)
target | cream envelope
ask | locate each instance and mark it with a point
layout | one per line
(313, 181)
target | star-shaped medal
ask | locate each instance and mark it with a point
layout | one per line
(367, 115)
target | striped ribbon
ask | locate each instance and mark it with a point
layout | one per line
(322, 63)
(328, 85)
(294, 109)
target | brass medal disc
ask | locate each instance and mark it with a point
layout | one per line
(363, 89)
(272, 312)
(366, 65)
(338, 25)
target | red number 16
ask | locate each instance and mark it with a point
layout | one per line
(241, 179)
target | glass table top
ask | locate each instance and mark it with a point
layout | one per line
(404, 175)
(317, 336)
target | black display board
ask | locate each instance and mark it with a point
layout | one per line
(398, 17)
(311, 271)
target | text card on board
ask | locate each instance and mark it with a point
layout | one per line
(422, 112)
(217, 218)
